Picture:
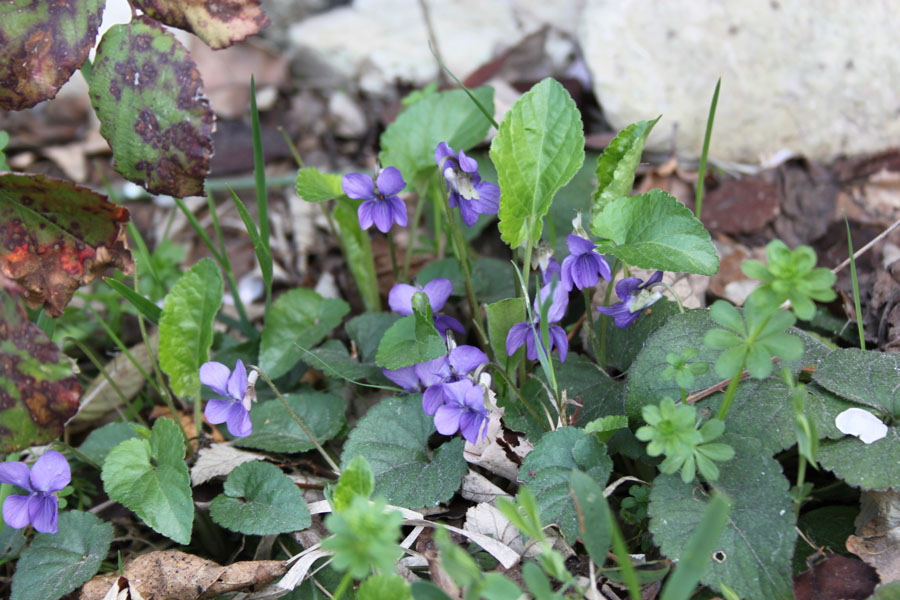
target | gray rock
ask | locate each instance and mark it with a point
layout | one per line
(814, 78)
(376, 43)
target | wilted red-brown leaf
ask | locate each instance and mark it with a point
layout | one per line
(836, 578)
(42, 45)
(218, 23)
(38, 390)
(56, 236)
(740, 206)
(174, 575)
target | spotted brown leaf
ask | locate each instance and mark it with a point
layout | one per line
(56, 236)
(38, 390)
(219, 24)
(41, 45)
(147, 93)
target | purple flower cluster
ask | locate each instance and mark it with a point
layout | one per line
(584, 266)
(454, 400)
(635, 297)
(49, 474)
(473, 195)
(525, 332)
(382, 206)
(438, 291)
(235, 409)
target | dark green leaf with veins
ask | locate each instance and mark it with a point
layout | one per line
(753, 554)
(146, 91)
(57, 563)
(42, 45)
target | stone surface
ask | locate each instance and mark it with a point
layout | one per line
(816, 78)
(379, 42)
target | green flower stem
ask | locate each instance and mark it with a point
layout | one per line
(393, 248)
(604, 319)
(463, 260)
(300, 422)
(64, 447)
(422, 186)
(730, 391)
(413, 228)
(671, 291)
(343, 585)
(589, 321)
(226, 266)
(801, 477)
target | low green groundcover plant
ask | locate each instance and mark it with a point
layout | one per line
(624, 424)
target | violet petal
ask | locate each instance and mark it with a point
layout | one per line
(400, 298)
(216, 410)
(446, 419)
(16, 473)
(516, 337)
(364, 212)
(15, 511)
(238, 421)
(465, 359)
(438, 291)
(50, 472)
(559, 339)
(390, 181)
(442, 152)
(43, 511)
(237, 383)
(382, 215)
(433, 398)
(444, 322)
(467, 163)
(358, 186)
(398, 207)
(405, 377)
(215, 375)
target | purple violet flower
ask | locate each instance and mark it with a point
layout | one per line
(382, 206)
(463, 411)
(235, 411)
(584, 265)
(524, 332)
(438, 291)
(50, 473)
(467, 190)
(433, 376)
(635, 297)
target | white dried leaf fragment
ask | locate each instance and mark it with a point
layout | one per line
(862, 424)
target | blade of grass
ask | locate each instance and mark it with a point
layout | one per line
(246, 327)
(260, 245)
(199, 229)
(484, 111)
(123, 348)
(698, 551)
(143, 253)
(151, 311)
(262, 198)
(856, 303)
(701, 171)
(624, 559)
